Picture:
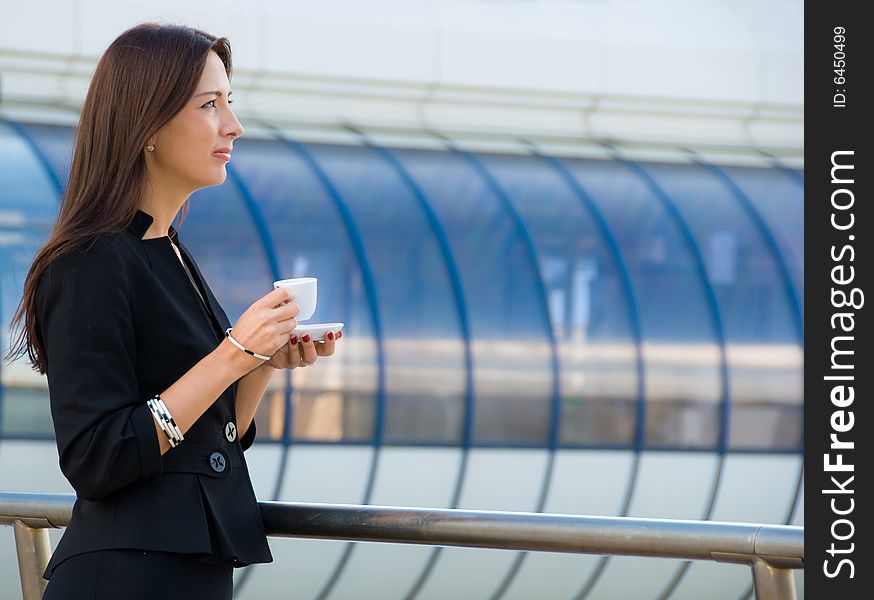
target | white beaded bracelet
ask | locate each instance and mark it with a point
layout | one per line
(242, 347)
(170, 420)
(171, 437)
(165, 420)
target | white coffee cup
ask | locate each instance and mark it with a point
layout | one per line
(304, 290)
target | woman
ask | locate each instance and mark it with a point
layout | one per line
(152, 401)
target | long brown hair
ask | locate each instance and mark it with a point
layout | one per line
(144, 78)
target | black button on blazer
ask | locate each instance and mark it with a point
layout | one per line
(120, 322)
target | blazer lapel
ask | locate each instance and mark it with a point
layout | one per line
(214, 307)
(139, 225)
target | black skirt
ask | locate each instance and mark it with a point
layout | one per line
(140, 575)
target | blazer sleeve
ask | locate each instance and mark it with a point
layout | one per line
(104, 430)
(249, 437)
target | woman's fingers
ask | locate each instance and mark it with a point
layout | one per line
(283, 312)
(326, 348)
(307, 349)
(277, 297)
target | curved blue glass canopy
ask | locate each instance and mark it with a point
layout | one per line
(490, 299)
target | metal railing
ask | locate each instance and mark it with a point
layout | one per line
(772, 551)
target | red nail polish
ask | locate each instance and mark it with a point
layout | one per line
(330, 335)
(294, 340)
(339, 334)
(306, 338)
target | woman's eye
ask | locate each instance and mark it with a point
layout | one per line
(213, 103)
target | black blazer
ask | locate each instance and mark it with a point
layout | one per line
(120, 322)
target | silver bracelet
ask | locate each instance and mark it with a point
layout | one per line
(242, 347)
(165, 420)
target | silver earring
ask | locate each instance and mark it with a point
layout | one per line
(150, 148)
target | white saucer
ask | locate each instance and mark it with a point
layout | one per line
(317, 330)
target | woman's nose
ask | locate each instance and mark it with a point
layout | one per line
(233, 126)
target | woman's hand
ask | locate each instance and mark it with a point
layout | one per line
(265, 327)
(303, 352)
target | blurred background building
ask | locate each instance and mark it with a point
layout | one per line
(566, 238)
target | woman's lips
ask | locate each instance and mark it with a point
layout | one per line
(222, 155)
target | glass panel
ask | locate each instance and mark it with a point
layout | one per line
(779, 198)
(28, 198)
(26, 411)
(682, 377)
(56, 144)
(334, 400)
(419, 314)
(28, 205)
(510, 356)
(764, 347)
(588, 306)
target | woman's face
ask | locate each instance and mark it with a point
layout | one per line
(184, 157)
